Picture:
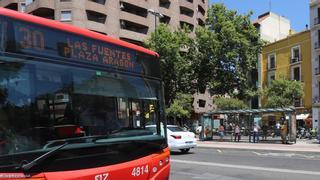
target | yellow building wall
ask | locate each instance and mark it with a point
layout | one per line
(282, 51)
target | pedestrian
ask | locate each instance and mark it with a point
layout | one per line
(256, 129)
(237, 133)
(264, 132)
(221, 132)
(284, 132)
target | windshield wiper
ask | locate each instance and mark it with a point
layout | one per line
(25, 166)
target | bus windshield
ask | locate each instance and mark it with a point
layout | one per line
(44, 102)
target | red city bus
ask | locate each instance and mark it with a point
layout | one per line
(74, 104)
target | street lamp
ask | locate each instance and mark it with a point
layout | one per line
(156, 14)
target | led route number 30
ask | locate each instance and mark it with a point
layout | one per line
(32, 39)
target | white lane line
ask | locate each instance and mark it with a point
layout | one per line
(247, 167)
(219, 150)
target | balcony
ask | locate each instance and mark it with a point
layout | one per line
(316, 21)
(96, 26)
(132, 36)
(165, 19)
(96, 17)
(133, 26)
(164, 4)
(102, 2)
(141, 4)
(133, 9)
(97, 7)
(39, 4)
(10, 4)
(295, 60)
(132, 17)
(317, 71)
(186, 19)
(316, 100)
(187, 25)
(165, 11)
(186, 4)
(317, 45)
(200, 16)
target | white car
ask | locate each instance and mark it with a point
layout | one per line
(179, 139)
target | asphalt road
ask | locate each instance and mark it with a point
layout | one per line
(228, 164)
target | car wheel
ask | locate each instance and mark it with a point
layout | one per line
(185, 150)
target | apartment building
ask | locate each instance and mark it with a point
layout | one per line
(290, 58)
(315, 44)
(271, 27)
(129, 20)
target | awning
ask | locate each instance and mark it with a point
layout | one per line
(302, 116)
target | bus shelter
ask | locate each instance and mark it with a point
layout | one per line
(207, 120)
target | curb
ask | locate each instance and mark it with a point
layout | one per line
(259, 149)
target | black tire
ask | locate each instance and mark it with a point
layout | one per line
(185, 150)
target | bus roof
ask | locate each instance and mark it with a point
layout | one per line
(72, 29)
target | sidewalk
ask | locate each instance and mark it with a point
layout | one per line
(300, 146)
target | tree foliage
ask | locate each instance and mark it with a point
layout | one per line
(225, 51)
(282, 93)
(224, 103)
(175, 67)
(219, 56)
(181, 106)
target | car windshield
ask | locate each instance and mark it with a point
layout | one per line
(175, 129)
(41, 103)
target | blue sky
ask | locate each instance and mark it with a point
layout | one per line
(297, 11)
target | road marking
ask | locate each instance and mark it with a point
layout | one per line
(247, 167)
(219, 150)
(290, 155)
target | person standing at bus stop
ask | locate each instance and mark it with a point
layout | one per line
(256, 129)
(221, 132)
(237, 133)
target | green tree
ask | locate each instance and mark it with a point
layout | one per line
(181, 107)
(224, 52)
(224, 103)
(175, 68)
(283, 92)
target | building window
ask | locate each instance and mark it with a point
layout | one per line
(190, 1)
(271, 61)
(165, 19)
(202, 103)
(103, 2)
(271, 77)
(296, 74)
(66, 15)
(23, 7)
(201, 10)
(133, 9)
(96, 17)
(131, 26)
(295, 54)
(297, 102)
(200, 22)
(186, 11)
(29, 2)
(164, 3)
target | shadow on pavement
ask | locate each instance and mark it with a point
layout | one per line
(179, 153)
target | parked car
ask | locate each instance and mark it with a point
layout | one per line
(178, 139)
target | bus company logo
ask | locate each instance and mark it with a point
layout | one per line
(13, 176)
(94, 52)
